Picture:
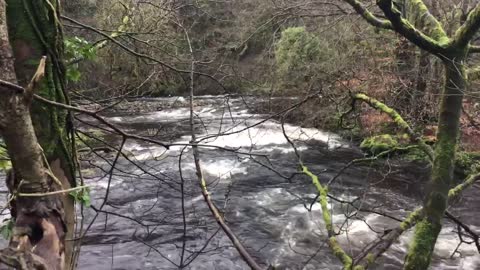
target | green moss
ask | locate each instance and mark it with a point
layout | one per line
(421, 250)
(397, 144)
(464, 34)
(34, 31)
(398, 120)
(340, 253)
(336, 248)
(377, 144)
(411, 219)
(22, 35)
(455, 192)
(419, 15)
(323, 191)
(467, 163)
(415, 154)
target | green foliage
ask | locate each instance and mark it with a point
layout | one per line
(77, 48)
(297, 52)
(73, 74)
(82, 196)
(6, 229)
(340, 253)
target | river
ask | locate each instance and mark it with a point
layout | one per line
(144, 227)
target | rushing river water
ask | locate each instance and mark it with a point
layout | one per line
(144, 227)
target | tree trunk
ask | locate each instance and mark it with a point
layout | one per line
(34, 30)
(6, 59)
(428, 33)
(427, 230)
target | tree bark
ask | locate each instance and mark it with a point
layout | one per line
(38, 143)
(428, 228)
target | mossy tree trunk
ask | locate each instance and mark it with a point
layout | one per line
(453, 51)
(34, 31)
(436, 202)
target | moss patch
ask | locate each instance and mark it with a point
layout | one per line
(388, 145)
(377, 144)
(467, 163)
(421, 251)
(415, 154)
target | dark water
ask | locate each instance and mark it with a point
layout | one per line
(144, 227)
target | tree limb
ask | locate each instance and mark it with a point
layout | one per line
(474, 49)
(376, 104)
(436, 45)
(417, 13)
(338, 251)
(473, 74)
(465, 33)
(368, 16)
